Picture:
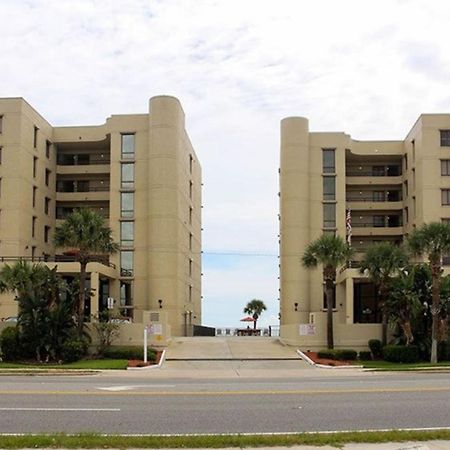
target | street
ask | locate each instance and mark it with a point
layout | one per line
(155, 403)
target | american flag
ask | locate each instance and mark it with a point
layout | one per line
(348, 224)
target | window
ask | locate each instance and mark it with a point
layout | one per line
(190, 294)
(126, 234)
(34, 195)
(191, 163)
(46, 205)
(126, 293)
(46, 233)
(446, 221)
(190, 215)
(1, 151)
(190, 267)
(127, 204)
(190, 241)
(405, 161)
(445, 167)
(445, 196)
(378, 171)
(191, 185)
(35, 136)
(127, 176)
(405, 186)
(48, 145)
(445, 138)
(378, 221)
(0, 187)
(34, 166)
(33, 253)
(1, 124)
(127, 146)
(329, 188)
(47, 177)
(126, 263)
(328, 161)
(329, 215)
(33, 226)
(378, 196)
(406, 214)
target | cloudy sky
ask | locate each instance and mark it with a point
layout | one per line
(238, 66)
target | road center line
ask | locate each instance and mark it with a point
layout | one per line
(63, 409)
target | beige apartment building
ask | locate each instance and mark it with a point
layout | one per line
(385, 188)
(141, 173)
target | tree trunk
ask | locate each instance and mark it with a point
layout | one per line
(255, 316)
(384, 316)
(82, 297)
(329, 285)
(435, 274)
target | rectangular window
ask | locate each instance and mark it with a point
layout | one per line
(378, 171)
(126, 234)
(33, 226)
(328, 160)
(445, 138)
(35, 136)
(329, 188)
(405, 161)
(379, 196)
(378, 221)
(126, 293)
(34, 166)
(1, 124)
(190, 267)
(47, 177)
(190, 294)
(445, 196)
(46, 233)
(127, 146)
(405, 186)
(46, 205)
(191, 163)
(34, 195)
(406, 214)
(191, 185)
(190, 215)
(190, 241)
(33, 253)
(48, 145)
(329, 215)
(1, 154)
(126, 263)
(0, 187)
(127, 204)
(127, 176)
(445, 167)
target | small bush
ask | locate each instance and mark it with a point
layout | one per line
(365, 356)
(376, 348)
(10, 349)
(340, 354)
(122, 352)
(444, 351)
(401, 353)
(74, 349)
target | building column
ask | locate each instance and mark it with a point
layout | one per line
(349, 300)
(95, 293)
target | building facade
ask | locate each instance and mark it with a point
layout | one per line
(383, 189)
(141, 173)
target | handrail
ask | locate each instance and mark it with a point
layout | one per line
(57, 258)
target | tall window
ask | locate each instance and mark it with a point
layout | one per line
(33, 226)
(46, 205)
(46, 233)
(445, 196)
(48, 145)
(34, 196)
(126, 263)
(445, 138)
(1, 124)
(1, 154)
(329, 215)
(47, 177)
(190, 215)
(127, 176)
(191, 186)
(328, 160)
(329, 188)
(127, 204)
(127, 146)
(126, 233)
(445, 167)
(35, 136)
(191, 163)
(190, 241)
(34, 166)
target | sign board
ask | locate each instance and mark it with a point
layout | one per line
(110, 303)
(308, 329)
(154, 329)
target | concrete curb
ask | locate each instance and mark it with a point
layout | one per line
(154, 366)
(323, 366)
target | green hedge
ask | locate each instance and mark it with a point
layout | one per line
(128, 352)
(10, 348)
(339, 354)
(376, 348)
(401, 353)
(365, 356)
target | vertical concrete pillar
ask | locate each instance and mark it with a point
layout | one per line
(349, 300)
(294, 219)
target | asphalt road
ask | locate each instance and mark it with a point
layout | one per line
(120, 404)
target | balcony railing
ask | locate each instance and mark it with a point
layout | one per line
(83, 159)
(82, 188)
(371, 172)
(376, 225)
(368, 198)
(57, 258)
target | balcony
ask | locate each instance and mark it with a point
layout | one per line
(374, 200)
(378, 225)
(368, 174)
(63, 211)
(82, 190)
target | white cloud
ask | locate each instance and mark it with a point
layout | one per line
(367, 68)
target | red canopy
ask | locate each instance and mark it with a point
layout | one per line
(248, 319)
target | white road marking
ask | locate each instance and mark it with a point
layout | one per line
(63, 409)
(132, 387)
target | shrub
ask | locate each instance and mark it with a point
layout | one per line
(365, 356)
(10, 348)
(401, 353)
(340, 354)
(444, 351)
(123, 352)
(74, 349)
(375, 347)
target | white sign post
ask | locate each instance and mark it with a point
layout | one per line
(145, 344)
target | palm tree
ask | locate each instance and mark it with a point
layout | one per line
(85, 231)
(255, 307)
(381, 263)
(432, 240)
(332, 252)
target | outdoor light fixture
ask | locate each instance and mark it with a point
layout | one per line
(160, 303)
(295, 306)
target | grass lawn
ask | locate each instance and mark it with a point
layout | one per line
(218, 441)
(386, 365)
(93, 364)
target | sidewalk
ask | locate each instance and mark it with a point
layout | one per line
(426, 445)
